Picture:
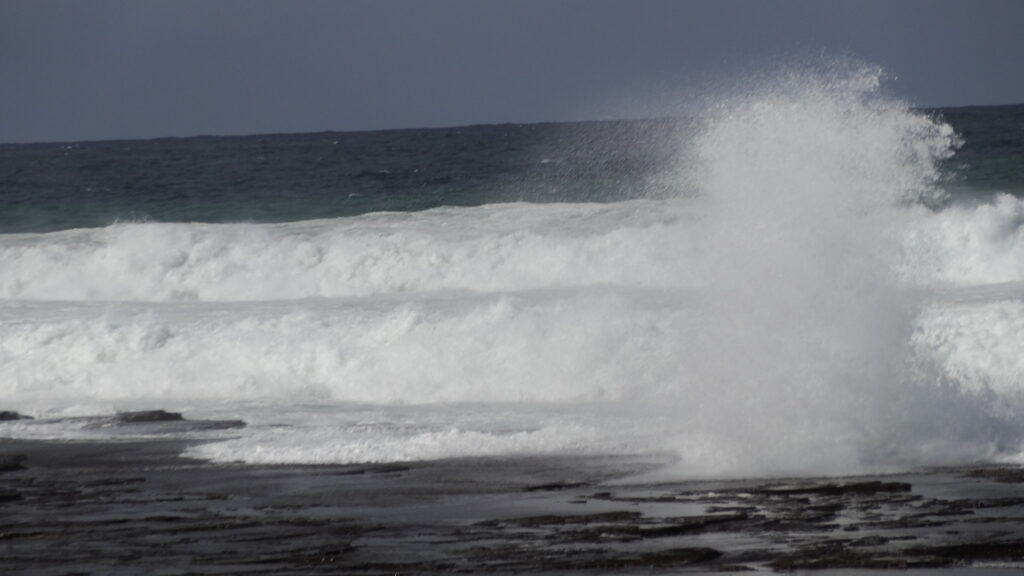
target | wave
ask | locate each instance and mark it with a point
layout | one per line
(491, 248)
(656, 244)
(580, 345)
(975, 244)
(805, 313)
(528, 347)
(638, 358)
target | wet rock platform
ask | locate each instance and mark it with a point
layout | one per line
(139, 508)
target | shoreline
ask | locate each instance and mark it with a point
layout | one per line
(139, 507)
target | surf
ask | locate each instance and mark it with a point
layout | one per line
(810, 302)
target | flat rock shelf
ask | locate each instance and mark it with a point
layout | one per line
(138, 507)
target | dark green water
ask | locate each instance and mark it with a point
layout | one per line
(273, 178)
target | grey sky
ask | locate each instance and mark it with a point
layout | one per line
(100, 69)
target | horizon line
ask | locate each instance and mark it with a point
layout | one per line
(410, 128)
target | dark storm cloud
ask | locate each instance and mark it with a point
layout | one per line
(135, 68)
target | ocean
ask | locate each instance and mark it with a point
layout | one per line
(811, 276)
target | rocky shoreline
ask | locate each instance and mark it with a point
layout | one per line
(138, 507)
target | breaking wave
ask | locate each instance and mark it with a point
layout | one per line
(805, 312)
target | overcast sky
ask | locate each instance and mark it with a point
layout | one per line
(103, 69)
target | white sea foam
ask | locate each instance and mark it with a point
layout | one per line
(804, 313)
(619, 356)
(321, 445)
(972, 244)
(525, 347)
(490, 248)
(979, 346)
(498, 247)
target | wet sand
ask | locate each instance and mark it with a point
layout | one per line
(137, 507)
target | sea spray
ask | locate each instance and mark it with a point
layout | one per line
(801, 362)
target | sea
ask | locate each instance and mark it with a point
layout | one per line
(809, 275)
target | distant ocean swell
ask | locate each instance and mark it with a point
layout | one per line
(804, 312)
